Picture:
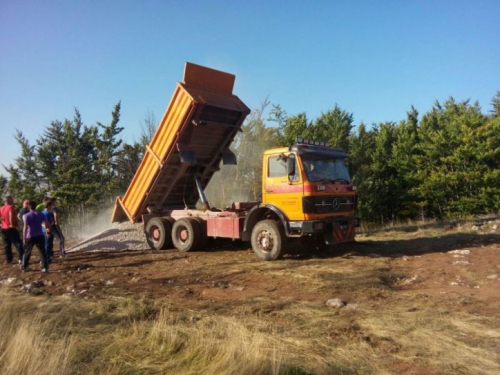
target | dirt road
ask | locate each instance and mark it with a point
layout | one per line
(437, 261)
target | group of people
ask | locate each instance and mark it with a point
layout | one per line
(38, 224)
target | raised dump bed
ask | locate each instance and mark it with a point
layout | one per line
(199, 125)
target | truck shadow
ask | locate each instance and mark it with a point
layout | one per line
(398, 247)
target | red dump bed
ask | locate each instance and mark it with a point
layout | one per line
(200, 123)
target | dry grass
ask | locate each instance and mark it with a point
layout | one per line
(66, 336)
(380, 331)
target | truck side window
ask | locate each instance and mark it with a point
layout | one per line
(277, 168)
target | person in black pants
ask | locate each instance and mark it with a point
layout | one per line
(10, 235)
(33, 236)
(56, 229)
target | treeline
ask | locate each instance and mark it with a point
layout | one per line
(83, 166)
(443, 164)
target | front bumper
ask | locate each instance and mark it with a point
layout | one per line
(335, 230)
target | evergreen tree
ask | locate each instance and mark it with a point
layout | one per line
(403, 161)
(127, 162)
(107, 147)
(24, 177)
(3, 186)
(361, 145)
(495, 103)
(334, 127)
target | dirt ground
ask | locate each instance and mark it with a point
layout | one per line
(438, 261)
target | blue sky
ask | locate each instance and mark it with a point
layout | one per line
(373, 58)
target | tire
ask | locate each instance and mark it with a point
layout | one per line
(186, 234)
(268, 240)
(203, 234)
(158, 233)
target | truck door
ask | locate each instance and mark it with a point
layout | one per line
(280, 190)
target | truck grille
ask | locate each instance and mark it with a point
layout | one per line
(326, 204)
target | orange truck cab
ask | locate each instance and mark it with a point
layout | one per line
(306, 189)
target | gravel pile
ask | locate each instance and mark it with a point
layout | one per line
(121, 236)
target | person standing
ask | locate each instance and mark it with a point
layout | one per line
(40, 207)
(10, 235)
(33, 236)
(24, 210)
(56, 229)
(49, 236)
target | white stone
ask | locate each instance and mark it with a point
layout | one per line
(460, 252)
(335, 302)
(492, 277)
(461, 262)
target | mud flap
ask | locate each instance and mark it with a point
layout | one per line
(340, 232)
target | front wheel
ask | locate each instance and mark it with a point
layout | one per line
(268, 240)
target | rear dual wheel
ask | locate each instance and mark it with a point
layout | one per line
(187, 234)
(158, 231)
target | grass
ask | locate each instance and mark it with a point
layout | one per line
(380, 331)
(126, 336)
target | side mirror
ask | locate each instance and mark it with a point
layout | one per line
(290, 166)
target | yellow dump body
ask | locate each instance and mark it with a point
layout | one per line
(200, 123)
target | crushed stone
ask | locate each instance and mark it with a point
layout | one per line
(120, 236)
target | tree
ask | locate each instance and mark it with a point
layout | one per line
(3, 185)
(107, 147)
(128, 160)
(334, 127)
(403, 161)
(24, 178)
(148, 128)
(495, 103)
(452, 160)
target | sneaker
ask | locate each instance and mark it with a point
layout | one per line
(45, 270)
(19, 261)
(23, 270)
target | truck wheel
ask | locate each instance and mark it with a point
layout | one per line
(157, 232)
(203, 230)
(268, 240)
(186, 234)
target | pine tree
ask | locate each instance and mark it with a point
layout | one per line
(24, 178)
(334, 127)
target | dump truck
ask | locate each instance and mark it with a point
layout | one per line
(307, 193)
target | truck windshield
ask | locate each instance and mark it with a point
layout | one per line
(325, 169)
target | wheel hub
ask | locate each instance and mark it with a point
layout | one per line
(184, 235)
(265, 241)
(155, 233)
